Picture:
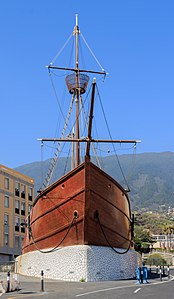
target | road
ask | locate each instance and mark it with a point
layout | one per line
(99, 290)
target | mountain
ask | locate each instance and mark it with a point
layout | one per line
(150, 176)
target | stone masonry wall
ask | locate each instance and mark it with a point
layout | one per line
(74, 263)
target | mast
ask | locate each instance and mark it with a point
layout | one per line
(72, 159)
(90, 119)
(77, 82)
(77, 91)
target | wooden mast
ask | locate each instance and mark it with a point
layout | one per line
(77, 92)
(77, 84)
(90, 120)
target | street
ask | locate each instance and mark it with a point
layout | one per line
(126, 289)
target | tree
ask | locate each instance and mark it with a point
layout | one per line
(142, 239)
(168, 230)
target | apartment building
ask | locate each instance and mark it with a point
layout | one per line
(163, 241)
(16, 198)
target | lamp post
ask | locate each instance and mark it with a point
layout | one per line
(151, 248)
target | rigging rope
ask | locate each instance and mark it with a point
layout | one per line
(67, 158)
(115, 250)
(56, 247)
(60, 51)
(133, 162)
(92, 52)
(112, 143)
(71, 224)
(86, 122)
(42, 154)
(57, 151)
(54, 89)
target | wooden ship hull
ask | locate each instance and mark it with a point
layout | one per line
(84, 207)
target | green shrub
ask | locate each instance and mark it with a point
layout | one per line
(156, 259)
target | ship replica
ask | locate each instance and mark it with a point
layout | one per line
(81, 223)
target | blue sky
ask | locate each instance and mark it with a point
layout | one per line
(132, 39)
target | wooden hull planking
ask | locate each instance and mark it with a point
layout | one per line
(98, 203)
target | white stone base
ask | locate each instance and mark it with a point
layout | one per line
(79, 263)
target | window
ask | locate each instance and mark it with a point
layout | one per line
(17, 206)
(17, 223)
(29, 208)
(23, 191)
(30, 193)
(22, 240)
(6, 239)
(6, 201)
(6, 219)
(17, 188)
(17, 241)
(23, 225)
(23, 208)
(6, 183)
(23, 229)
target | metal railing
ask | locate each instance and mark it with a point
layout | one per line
(7, 266)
